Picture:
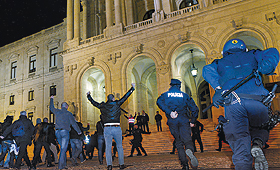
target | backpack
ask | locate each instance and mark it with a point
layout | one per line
(18, 130)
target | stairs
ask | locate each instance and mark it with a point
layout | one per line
(161, 142)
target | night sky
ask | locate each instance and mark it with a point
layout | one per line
(21, 18)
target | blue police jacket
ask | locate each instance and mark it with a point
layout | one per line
(234, 67)
(176, 100)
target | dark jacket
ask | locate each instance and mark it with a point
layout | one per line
(74, 134)
(42, 132)
(145, 118)
(176, 100)
(198, 127)
(158, 117)
(7, 122)
(137, 137)
(99, 128)
(111, 110)
(28, 129)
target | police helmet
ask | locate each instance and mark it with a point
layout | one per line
(234, 45)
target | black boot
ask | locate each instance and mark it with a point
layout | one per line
(50, 165)
(109, 167)
(122, 167)
(185, 167)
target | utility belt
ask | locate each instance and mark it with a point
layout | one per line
(252, 97)
(234, 98)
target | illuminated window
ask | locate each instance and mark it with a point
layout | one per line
(13, 70)
(53, 57)
(12, 99)
(30, 115)
(32, 65)
(31, 95)
(53, 90)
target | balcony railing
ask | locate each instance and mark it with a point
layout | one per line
(92, 39)
(138, 25)
(146, 23)
(182, 11)
(218, 1)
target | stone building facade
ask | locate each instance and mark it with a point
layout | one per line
(108, 44)
(30, 67)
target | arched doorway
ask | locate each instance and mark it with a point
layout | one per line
(93, 80)
(142, 71)
(184, 60)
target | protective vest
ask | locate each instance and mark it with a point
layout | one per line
(131, 120)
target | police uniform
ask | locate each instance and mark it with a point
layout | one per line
(176, 100)
(243, 107)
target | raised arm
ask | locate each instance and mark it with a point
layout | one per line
(124, 98)
(93, 102)
(52, 108)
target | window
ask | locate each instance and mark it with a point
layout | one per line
(148, 15)
(13, 70)
(187, 3)
(31, 95)
(30, 115)
(12, 99)
(53, 57)
(53, 90)
(32, 65)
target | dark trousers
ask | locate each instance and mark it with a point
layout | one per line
(198, 138)
(181, 131)
(137, 146)
(131, 127)
(221, 139)
(159, 126)
(145, 124)
(22, 154)
(239, 130)
(37, 155)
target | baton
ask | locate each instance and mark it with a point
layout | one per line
(245, 80)
(124, 111)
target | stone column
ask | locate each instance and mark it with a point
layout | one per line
(129, 12)
(76, 19)
(118, 14)
(70, 19)
(158, 14)
(109, 13)
(157, 4)
(84, 4)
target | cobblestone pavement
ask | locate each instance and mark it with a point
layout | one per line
(207, 161)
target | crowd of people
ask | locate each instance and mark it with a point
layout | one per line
(244, 125)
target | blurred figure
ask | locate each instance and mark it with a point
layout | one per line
(22, 130)
(137, 141)
(196, 130)
(158, 119)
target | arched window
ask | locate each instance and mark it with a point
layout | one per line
(187, 3)
(148, 14)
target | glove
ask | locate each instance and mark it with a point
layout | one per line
(218, 99)
(266, 66)
(173, 115)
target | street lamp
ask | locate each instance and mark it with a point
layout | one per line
(194, 70)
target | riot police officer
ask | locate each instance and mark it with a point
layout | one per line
(177, 105)
(244, 109)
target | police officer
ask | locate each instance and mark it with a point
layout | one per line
(176, 105)
(243, 107)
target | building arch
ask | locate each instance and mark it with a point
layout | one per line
(184, 58)
(265, 35)
(101, 87)
(141, 69)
